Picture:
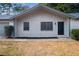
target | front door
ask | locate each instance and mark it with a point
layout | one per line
(60, 28)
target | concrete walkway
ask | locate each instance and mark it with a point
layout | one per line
(54, 39)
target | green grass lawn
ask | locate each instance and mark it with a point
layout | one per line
(39, 48)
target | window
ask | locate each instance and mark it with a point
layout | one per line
(26, 25)
(47, 26)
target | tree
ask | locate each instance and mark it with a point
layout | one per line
(60, 6)
(7, 7)
(18, 7)
(65, 7)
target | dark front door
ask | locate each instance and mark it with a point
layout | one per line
(60, 28)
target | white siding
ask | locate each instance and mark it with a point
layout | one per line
(74, 24)
(34, 20)
(11, 23)
(2, 28)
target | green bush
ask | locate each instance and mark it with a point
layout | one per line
(9, 31)
(75, 34)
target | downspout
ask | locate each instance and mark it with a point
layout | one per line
(14, 27)
(69, 28)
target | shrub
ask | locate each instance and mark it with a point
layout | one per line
(9, 31)
(75, 34)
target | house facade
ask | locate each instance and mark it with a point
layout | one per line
(40, 21)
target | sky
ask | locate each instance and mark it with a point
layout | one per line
(29, 4)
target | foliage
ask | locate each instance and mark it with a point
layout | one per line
(9, 31)
(5, 6)
(19, 7)
(14, 6)
(65, 7)
(75, 34)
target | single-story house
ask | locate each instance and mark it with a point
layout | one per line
(40, 21)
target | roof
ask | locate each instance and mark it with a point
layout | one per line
(5, 16)
(76, 15)
(46, 7)
(35, 7)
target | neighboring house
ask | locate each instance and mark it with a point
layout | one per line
(74, 23)
(40, 21)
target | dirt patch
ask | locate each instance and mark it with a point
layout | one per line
(40, 48)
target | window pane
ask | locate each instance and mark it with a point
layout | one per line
(46, 26)
(42, 26)
(49, 26)
(26, 25)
